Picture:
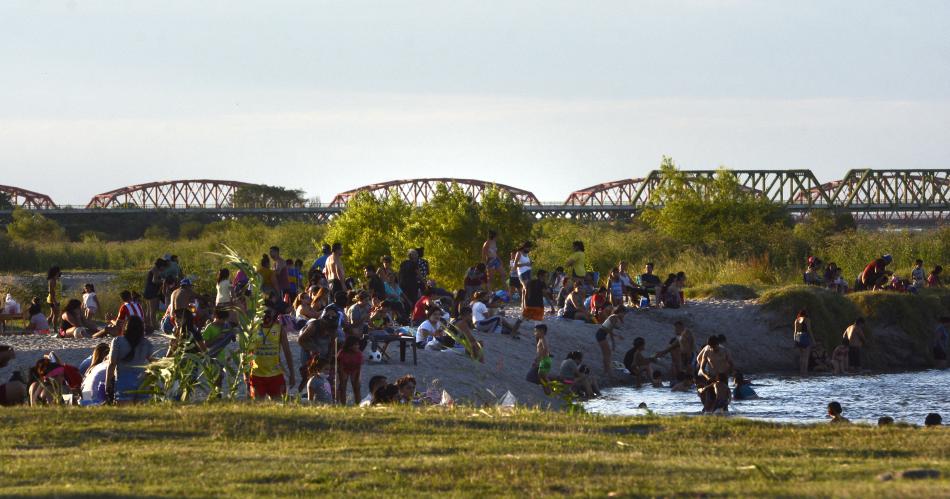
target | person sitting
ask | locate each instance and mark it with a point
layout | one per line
(649, 281)
(318, 388)
(918, 275)
(128, 356)
(742, 389)
(476, 279)
(577, 376)
(657, 381)
(574, 304)
(637, 363)
(53, 380)
(834, 412)
(39, 324)
(375, 384)
(933, 279)
(669, 294)
(598, 306)
(94, 377)
(484, 320)
(933, 419)
(13, 391)
(429, 332)
(73, 324)
(839, 357)
(874, 274)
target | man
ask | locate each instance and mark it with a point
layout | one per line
(321, 262)
(649, 281)
(409, 276)
(490, 256)
(173, 269)
(715, 364)
(281, 273)
(855, 336)
(535, 291)
(128, 308)
(875, 273)
(476, 279)
(267, 375)
(687, 344)
(334, 271)
(483, 320)
(182, 316)
(423, 265)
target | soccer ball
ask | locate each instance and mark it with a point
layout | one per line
(374, 356)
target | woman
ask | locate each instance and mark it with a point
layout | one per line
(52, 381)
(523, 263)
(577, 376)
(94, 378)
(638, 364)
(933, 280)
(681, 286)
(385, 271)
(461, 328)
(153, 291)
(803, 340)
(55, 291)
(268, 278)
(73, 324)
(223, 297)
(129, 354)
(670, 293)
(574, 304)
(608, 330)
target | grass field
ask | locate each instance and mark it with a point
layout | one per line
(267, 450)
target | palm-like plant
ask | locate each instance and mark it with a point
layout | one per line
(185, 374)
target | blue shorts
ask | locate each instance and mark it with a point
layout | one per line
(493, 263)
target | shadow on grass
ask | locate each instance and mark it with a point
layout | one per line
(635, 429)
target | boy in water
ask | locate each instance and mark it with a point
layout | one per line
(839, 357)
(834, 412)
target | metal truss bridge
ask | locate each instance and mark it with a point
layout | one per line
(897, 197)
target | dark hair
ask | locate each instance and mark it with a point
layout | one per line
(845, 341)
(223, 274)
(386, 394)
(885, 420)
(713, 341)
(405, 380)
(918, 261)
(578, 245)
(541, 327)
(325, 249)
(834, 407)
(802, 313)
(657, 374)
(265, 261)
(370, 268)
(34, 309)
(465, 310)
(72, 305)
(480, 267)
(134, 333)
(316, 365)
(492, 234)
(420, 251)
(221, 313)
(53, 272)
(938, 269)
(376, 380)
(298, 263)
(126, 295)
(933, 419)
(91, 287)
(337, 247)
(639, 343)
(859, 321)
(340, 298)
(575, 356)
(275, 248)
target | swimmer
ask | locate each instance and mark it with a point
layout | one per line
(834, 412)
(743, 388)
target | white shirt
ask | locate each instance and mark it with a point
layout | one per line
(224, 293)
(479, 312)
(89, 300)
(426, 330)
(94, 385)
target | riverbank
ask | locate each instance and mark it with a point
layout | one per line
(285, 450)
(758, 340)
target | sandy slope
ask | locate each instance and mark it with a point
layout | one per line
(757, 340)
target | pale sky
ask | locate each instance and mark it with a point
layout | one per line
(549, 96)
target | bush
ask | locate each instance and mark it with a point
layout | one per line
(32, 226)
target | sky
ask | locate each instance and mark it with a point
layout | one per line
(549, 96)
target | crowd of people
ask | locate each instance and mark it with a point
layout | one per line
(343, 319)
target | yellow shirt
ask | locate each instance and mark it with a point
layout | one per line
(266, 361)
(267, 277)
(580, 265)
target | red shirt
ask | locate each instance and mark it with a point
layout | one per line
(419, 310)
(597, 302)
(349, 361)
(130, 308)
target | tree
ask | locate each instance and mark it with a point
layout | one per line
(712, 212)
(267, 196)
(32, 226)
(369, 228)
(448, 227)
(5, 202)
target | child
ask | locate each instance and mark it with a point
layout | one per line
(834, 412)
(657, 379)
(349, 363)
(839, 357)
(318, 388)
(743, 388)
(684, 383)
(90, 302)
(38, 321)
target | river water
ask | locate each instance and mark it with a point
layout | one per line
(906, 397)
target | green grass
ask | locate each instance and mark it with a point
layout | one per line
(268, 450)
(722, 291)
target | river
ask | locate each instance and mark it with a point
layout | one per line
(906, 397)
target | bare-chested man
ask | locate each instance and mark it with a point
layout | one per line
(490, 257)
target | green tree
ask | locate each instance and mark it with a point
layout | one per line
(267, 196)
(190, 230)
(32, 226)
(448, 227)
(715, 212)
(157, 233)
(5, 202)
(369, 228)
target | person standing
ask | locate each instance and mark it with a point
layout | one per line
(54, 292)
(153, 292)
(267, 374)
(801, 334)
(423, 266)
(874, 273)
(321, 262)
(535, 291)
(490, 256)
(409, 276)
(334, 272)
(856, 339)
(940, 343)
(577, 263)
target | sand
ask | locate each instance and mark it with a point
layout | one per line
(758, 341)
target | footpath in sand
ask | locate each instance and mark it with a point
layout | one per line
(758, 342)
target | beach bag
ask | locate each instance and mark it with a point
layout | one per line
(532, 376)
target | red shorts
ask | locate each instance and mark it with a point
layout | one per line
(272, 386)
(533, 313)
